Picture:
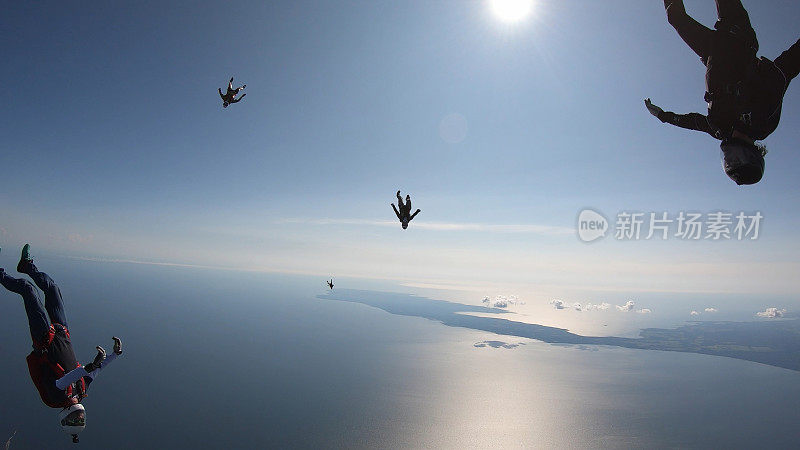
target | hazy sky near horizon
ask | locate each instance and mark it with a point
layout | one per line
(115, 144)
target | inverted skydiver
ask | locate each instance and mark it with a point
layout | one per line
(230, 95)
(54, 369)
(404, 214)
(330, 283)
(744, 93)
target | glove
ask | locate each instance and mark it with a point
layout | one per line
(98, 360)
(654, 110)
(117, 345)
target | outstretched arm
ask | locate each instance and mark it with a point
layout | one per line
(220, 94)
(691, 121)
(237, 100)
(80, 372)
(413, 215)
(396, 212)
(94, 367)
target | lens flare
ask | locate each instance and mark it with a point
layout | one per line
(511, 10)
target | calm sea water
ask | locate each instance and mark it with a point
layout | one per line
(217, 359)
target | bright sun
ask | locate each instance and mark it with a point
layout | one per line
(511, 10)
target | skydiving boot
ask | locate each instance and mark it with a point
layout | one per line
(25, 260)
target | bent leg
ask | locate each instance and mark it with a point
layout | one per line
(52, 295)
(37, 319)
(732, 11)
(789, 62)
(733, 18)
(697, 36)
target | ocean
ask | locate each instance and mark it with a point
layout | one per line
(227, 359)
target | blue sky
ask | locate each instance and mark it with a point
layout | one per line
(115, 144)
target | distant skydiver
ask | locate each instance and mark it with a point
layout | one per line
(54, 369)
(744, 93)
(330, 283)
(404, 215)
(230, 95)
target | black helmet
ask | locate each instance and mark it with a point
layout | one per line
(742, 161)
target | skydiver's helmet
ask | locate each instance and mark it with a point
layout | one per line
(225, 104)
(742, 161)
(404, 222)
(73, 420)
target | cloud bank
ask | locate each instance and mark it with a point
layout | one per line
(772, 313)
(597, 306)
(629, 306)
(545, 230)
(502, 301)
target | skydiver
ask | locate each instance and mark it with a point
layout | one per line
(744, 93)
(330, 283)
(230, 95)
(404, 215)
(54, 369)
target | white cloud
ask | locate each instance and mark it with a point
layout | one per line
(694, 313)
(597, 306)
(501, 301)
(578, 306)
(558, 304)
(772, 313)
(711, 310)
(628, 306)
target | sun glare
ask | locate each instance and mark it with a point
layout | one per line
(511, 10)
